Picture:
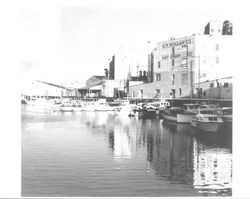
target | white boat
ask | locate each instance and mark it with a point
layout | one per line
(66, 108)
(89, 106)
(207, 120)
(77, 107)
(99, 105)
(227, 114)
(211, 107)
(102, 105)
(171, 113)
(190, 111)
(125, 110)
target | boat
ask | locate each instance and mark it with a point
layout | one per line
(89, 106)
(56, 105)
(211, 107)
(149, 111)
(102, 105)
(189, 111)
(171, 113)
(66, 108)
(227, 114)
(77, 107)
(125, 110)
(99, 105)
(207, 120)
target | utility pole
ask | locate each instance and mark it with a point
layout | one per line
(137, 72)
(191, 75)
(199, 73)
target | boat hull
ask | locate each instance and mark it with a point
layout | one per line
(227, 118)
(66, 109)
(77, 109)
(148, 113)
(167, 116)
(184, 118)
(207, 126)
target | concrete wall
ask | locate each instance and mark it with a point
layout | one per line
(219, 91)
(150, 90)
(108, 87)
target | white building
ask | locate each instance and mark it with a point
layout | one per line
(214, 28)
(213, 57)
(178, 66)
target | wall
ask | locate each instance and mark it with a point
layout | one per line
(108, 87)
(214, 57)
(149, 90)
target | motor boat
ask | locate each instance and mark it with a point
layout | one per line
(171, 113)
(99, 105)
(227, 114)
(125, 110)
(102, 105)
(207, 120)
(66, 107)
(149, 111)
(189, 111)
(77, 107)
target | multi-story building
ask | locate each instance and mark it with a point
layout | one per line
(179, 67)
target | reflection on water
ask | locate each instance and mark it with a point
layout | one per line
(212, 169)
(102, 154)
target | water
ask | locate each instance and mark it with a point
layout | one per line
(101, 154)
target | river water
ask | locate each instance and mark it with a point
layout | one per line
(102, 154)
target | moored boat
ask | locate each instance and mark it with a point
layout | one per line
(77, 107)
(189, 111)
(66, 108)
(227, 114)
(171, 113)
(102, 105)
(149, 111)
(125, 110)
(207, 120)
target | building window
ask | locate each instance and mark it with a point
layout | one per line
(159, 64)
(133, 94)
(158, 77)
(172, 50)
(217, 60)
(157, 92)
(211, 85)
(172, 79)
(172, 62)
(180, 91)
(141, 93)
(184, 78)
(217, 47)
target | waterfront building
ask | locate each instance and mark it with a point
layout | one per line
(93, 86)
(179, 67)
(116, 80)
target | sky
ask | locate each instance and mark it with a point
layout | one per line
(65, 41)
